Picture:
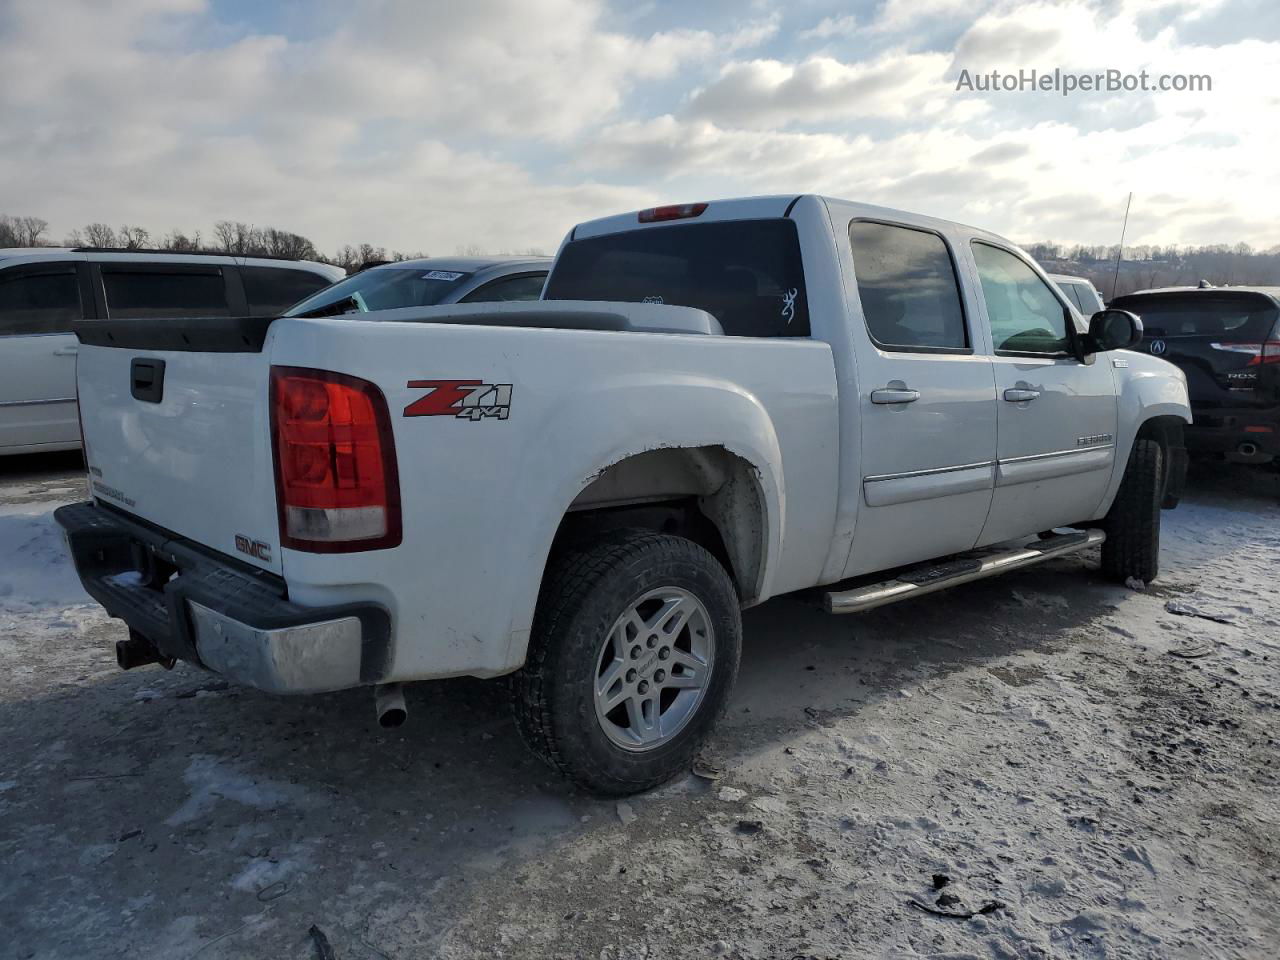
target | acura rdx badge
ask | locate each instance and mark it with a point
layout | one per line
(1158, 347)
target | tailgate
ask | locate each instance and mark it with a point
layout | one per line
(177, 431)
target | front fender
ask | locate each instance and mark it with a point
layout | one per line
(1146, 387)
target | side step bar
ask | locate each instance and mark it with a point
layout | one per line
(929, 579)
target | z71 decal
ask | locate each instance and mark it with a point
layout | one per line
(464, 399)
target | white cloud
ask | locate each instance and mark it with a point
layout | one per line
(770, 93)
(501, 122)
(828, 27)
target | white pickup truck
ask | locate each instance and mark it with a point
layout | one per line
(712, 405)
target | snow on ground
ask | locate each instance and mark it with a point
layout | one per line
(1038, 766)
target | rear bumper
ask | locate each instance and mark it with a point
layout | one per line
(1224, 431)
(194, 604)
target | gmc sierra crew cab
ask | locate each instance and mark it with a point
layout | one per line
(713, 404)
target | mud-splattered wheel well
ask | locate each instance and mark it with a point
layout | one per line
(705, 494)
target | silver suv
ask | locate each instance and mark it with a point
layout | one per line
(44, 290)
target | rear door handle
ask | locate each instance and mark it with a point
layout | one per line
(66, 351)
(894, 395)
(1020, 395)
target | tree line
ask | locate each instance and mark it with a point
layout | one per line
(1143, 265)
(229, 236)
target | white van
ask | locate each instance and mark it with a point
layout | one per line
(44, 290)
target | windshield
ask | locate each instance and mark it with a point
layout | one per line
(1237, 316)
(381, 288)
(745, 273)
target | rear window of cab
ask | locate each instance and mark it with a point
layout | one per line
(745, 273)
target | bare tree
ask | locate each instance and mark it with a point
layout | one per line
(181, 242)
(134, 238)
(100, 235)
(22, 231)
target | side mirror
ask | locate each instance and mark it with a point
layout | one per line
(1114, 330)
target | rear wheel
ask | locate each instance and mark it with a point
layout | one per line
(634, 651)
(1132, 547)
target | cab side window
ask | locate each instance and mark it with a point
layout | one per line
(907, 285)
(46, 300)
(1025, 315)
(162, 291)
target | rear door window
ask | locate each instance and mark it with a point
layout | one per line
(908, 289)
(1025, 314)
(149, 291)
(745, 273)
(44, 299)
(273, 290)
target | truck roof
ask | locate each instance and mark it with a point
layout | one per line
(777, 205)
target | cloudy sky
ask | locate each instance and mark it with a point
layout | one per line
(430, 125)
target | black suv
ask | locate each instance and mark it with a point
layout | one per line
(1227, 341)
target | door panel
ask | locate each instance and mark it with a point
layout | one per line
(1056, 414)
(926, 402)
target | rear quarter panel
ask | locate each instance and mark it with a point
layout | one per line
(482, 498)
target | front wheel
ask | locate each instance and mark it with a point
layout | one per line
(635, 648)
(1132, 547)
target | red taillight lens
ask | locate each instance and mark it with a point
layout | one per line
(676, 211)
(336, 481)
(1270, 352)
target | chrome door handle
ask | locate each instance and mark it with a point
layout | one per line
(66, 352)
(1019, 395)
(894, 395)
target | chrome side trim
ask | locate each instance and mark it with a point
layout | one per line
(927, 473)
(885, 491)
(35, 403)
(1057, 453)
(1049, 466)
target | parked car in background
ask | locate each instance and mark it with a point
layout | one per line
(1080, 291)
(44, 290)
(1227, 342)
(428, 282)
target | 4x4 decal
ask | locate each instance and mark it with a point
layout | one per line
(464, 399)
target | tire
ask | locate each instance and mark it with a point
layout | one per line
(594, 599)
(1132, 547)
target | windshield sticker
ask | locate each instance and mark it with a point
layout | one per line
(789, 304)
(442, 275)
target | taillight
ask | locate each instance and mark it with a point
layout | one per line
(1259, 353)
(675, 211)
(337, 488)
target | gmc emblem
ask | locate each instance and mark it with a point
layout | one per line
(253, 548)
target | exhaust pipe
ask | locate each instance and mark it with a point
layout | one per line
(1247, 449)
(138, 651)
(388, 702)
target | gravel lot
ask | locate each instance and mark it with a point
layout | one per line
(1094, 767)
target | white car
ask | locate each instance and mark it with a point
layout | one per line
(713, 404)
(44, 290)
(1080, 291)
